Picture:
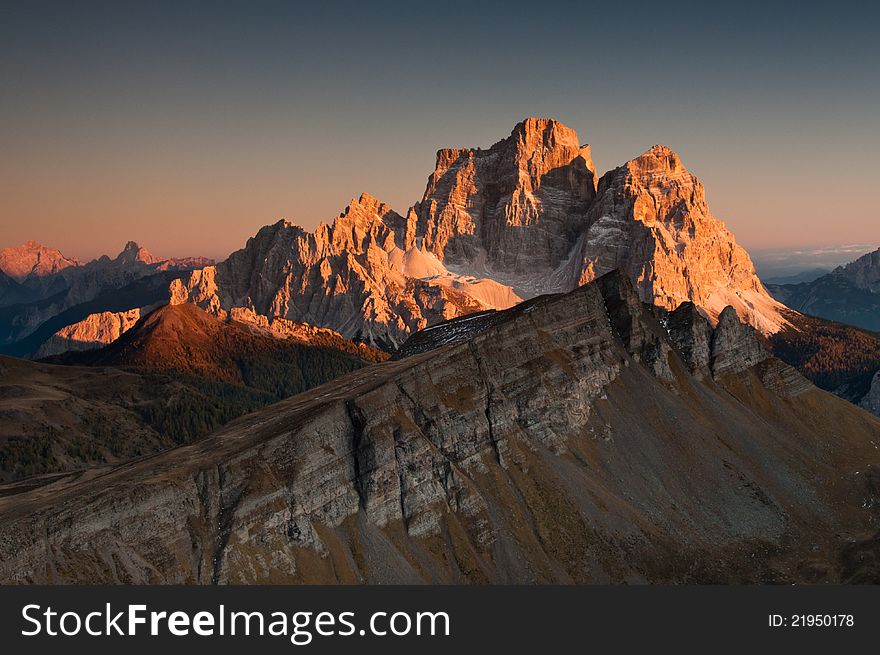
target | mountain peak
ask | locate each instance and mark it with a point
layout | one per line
(658, 159)
(652, 220)
(134, 252)
(369, 215)
(546, 132)
(367, 203)
(863, 273)
(518, 203)
(521, 218)
(659, 150)
(186, 339)
(32, 258)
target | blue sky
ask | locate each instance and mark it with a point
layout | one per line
(187, 126)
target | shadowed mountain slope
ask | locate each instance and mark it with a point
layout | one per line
(581, 438)
(836, 357)
(174, 377)
(848, 294)
(62, 418)
(186, 341)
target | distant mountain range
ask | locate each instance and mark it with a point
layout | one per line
(848, 294)
(52, 291)
(797, 278)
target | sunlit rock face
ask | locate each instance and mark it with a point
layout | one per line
(522, 218)
(34, 260)
(513, 209)
(651, 219)
(94, 331)
(349, 276)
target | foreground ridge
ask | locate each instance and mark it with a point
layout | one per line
(580, 437)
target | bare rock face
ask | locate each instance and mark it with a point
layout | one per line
(543, 445)
(94, 331)
(651, 219)
(863, 273)
(639, 331)
(350, 276)
(691, 334)
(306, 334)
(871, 401)
(33, 259)
(514, 209)
(494, 227)
(734, 345)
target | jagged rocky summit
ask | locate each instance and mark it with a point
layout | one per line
(522, 218)
(580, 437)
(849, 294)
(45, 295)
(33, 259)
(94, 331)
(871, 400)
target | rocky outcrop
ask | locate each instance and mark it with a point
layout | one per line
(542, 446)
(849, 294)
(350, 276)
(871, 400)
(691, 335)
(734, 345)
(494, 226)
(639, 331)
(33, 260)
(94, 331)
(651, 220)
(306, 334)
(514, 209)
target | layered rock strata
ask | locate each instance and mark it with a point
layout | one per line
(563, 440)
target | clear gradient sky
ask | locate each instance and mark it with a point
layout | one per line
(186, 127)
